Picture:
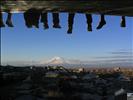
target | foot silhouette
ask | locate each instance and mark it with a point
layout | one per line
(37, 26)
(123, 23)
(46, 26)
(69, 31)
(101, 24)
(89, 28)
(56, 26)
(2, 24)
(9, 23)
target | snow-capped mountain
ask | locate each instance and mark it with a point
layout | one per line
(57, 61)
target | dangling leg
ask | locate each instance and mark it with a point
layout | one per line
(89, 21)
(9, 20)
(123, 21)
(70, 22)
(44, 20)
(1, 20)
(27, 19)
(56, 20)
(102, 22)
(36, 17)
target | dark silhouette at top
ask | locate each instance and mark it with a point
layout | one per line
(56, 20)
(1, 20)
(8, 20)
(70, 22)
(89, 22)
(102, 22)
(31, 17)
(44, 19)
(123, 21)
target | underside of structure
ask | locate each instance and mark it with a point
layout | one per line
(107, 7)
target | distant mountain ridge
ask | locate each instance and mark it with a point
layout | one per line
(60, 61)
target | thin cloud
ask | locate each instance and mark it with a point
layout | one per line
(113, 57)
(122, 53)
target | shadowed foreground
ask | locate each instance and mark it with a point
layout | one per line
(59, 83)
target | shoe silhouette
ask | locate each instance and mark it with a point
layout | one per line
(28, 25)
(56, 26)
(89, 28)
(46, 26)
(69, 31)
(101, 24)
(36, 25)
(9, 23)
(123, 23)
(2, 24)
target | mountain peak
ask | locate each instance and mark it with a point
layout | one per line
(57, 60)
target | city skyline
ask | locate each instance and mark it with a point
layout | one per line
(110, 45)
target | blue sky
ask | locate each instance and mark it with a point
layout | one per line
(20, 44)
